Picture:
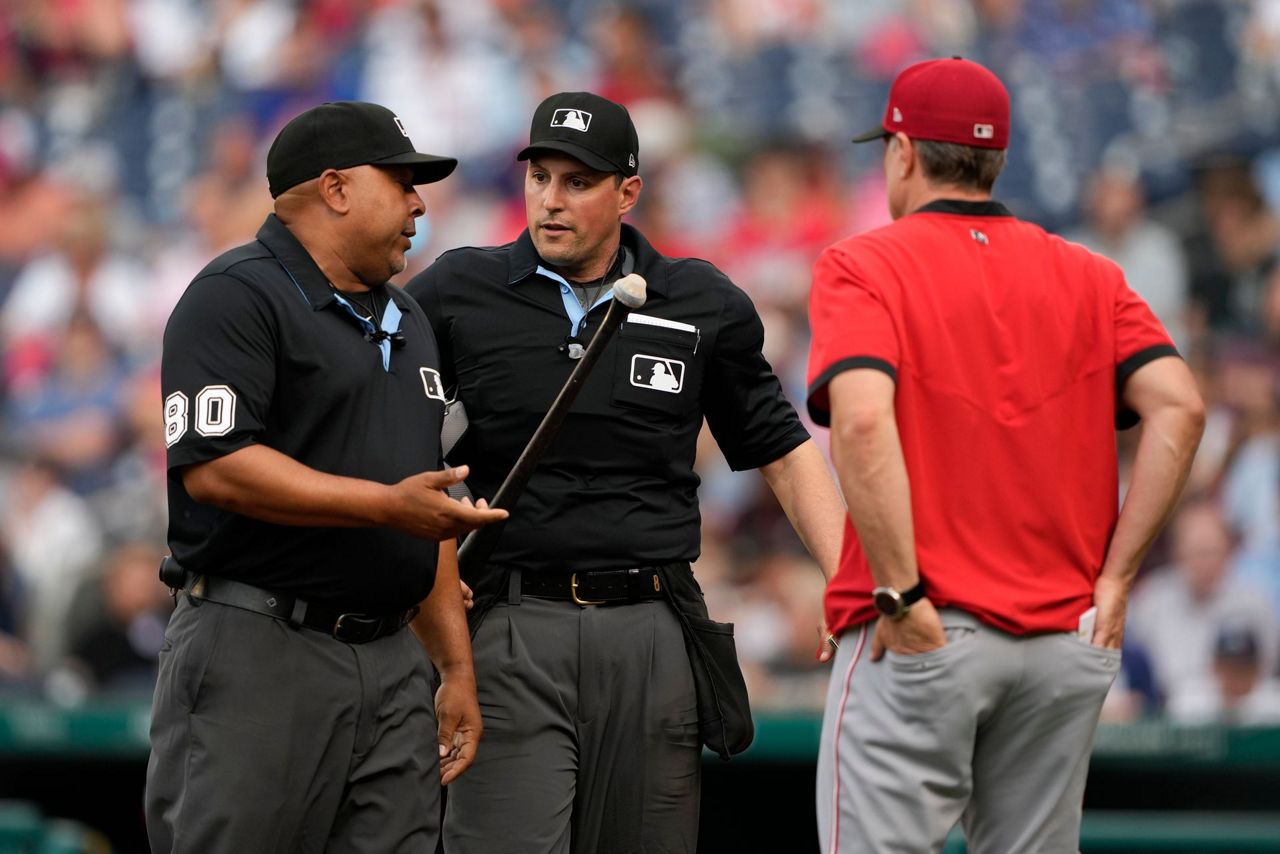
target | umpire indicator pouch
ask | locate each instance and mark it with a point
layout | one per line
(724, 709)
(172, 575)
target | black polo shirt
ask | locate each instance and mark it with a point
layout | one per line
(616, 488)
(259, 350)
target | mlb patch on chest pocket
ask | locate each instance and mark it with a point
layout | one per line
(657, 373)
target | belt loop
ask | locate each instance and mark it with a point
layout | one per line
(513, 587)
(298, 614)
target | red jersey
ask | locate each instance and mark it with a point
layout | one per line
(1009, 347)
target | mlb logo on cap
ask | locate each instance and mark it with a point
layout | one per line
(576, 119)
(587, 127)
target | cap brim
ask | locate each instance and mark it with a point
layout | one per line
(873, 134)
(595, 161)
(427, 168)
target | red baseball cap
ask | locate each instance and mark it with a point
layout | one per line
(947, 100)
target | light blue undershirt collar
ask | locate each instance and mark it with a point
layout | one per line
(390, 324)
(577, 315)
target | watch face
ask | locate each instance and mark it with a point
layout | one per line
(887, 601)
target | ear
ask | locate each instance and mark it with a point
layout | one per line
(905, 160)
(629, 194)
(334, 189)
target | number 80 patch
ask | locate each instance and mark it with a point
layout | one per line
(215, 413)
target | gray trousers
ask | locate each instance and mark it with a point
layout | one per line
(991, 729)
(266, 738)
(590, 734)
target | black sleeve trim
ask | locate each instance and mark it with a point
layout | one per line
(1126, 418)
(1125, 369)
(822, 416)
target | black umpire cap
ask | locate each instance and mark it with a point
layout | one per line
(595, 130)
(343, 134)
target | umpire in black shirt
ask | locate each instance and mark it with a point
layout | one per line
(591, 729)
(302, 407)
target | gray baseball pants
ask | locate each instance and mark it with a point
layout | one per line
(590, 734)
(266, 738)
(992, 729)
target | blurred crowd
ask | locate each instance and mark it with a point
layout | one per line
(132, 150)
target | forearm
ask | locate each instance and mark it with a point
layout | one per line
(441, 624)
(265, 484)
(873, 474)
(807, 493)
(1160, 468)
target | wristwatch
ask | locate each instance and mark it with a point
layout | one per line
(895, 605)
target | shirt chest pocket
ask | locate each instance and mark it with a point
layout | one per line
(658, 369)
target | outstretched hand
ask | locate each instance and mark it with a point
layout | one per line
(422, 508)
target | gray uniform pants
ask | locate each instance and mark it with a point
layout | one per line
(991, 729)
(590, 734)
(266, 738)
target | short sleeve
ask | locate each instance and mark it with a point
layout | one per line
(751, 419)
(425, 289)
(851, 327)
(1140, 338)
(217, 370)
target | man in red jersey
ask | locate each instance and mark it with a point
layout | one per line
(973, 370)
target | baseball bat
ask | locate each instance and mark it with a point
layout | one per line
(628, 294)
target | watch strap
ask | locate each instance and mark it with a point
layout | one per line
(913, 595)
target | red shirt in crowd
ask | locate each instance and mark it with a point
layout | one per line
(1008, 346)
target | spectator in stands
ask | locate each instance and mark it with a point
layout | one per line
(1176, 610)
(1239, 691)
(72, 417)
(1250, 488)
(1235, 248)
(1117, 226)
(791, 208)
(84, 274)
(116, 647)
(55, 542)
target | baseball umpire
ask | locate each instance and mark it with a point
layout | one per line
(585, 683)
(302, 411)
(973, 370)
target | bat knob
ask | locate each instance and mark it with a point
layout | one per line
(630, 290)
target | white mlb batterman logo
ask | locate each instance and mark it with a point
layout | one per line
(431, 383)
(981, 131)
(657, 373)
(567, 118)
(897, 114)
(400, 125)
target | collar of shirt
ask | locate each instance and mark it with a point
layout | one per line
(965, 207)
(524, 260)
(303, 270)
(314, 286)
(572, 307)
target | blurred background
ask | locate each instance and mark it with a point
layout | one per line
(133, 136)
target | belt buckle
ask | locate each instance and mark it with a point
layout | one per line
(573, 592)
(363, 628)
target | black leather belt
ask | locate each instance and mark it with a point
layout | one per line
(346, 627)
(594, 588)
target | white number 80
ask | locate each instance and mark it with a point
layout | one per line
(215, 413)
